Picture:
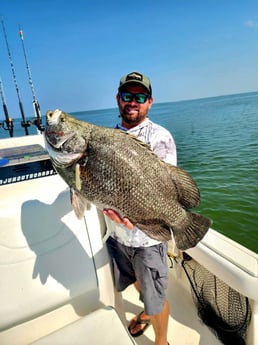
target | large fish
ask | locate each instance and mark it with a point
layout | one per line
(114, 170)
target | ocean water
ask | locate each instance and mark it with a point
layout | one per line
(217, 143)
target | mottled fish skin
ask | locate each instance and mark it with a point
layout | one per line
(113, 169)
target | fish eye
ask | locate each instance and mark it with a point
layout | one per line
(50, 113)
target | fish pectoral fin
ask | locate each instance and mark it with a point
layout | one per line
(191, 231)
(79, 203)
(155, 230)
(188, 192)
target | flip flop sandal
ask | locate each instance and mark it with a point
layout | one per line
(139, 321)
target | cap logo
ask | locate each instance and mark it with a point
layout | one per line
(134, 76)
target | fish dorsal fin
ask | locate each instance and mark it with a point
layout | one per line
(188, 192)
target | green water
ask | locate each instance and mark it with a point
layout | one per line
(217, 142)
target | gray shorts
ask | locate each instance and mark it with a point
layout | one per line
(147, 265)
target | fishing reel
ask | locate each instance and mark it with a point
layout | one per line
(7, 126)
(25, 124)
(38, 123)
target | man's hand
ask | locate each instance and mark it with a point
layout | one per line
(113, 215)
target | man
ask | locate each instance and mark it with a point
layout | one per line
(138, 258)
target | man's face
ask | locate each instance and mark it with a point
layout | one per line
(132, 112)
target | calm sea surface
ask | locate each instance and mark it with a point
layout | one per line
(217, 143)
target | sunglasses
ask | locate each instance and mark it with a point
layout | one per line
(139, 97)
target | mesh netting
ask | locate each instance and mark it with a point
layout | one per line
(221, 308)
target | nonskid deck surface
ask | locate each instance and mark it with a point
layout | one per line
(185, 327)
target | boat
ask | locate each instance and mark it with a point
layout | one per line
(56, 275)
(57, 284)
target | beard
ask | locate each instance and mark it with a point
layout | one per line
(132, 115)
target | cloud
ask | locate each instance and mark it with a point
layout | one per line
(251, 23)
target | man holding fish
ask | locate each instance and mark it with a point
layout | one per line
(140, 259)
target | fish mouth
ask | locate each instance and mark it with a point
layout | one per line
(58, 154)
(57, 141)
(55, 138)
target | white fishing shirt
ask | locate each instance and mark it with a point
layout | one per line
(163, 145)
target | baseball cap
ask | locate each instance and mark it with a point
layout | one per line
(135, 78)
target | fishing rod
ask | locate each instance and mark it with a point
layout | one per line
(8, 120)
(24, 123)
(37, 121)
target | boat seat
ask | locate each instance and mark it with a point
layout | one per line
(102, 326)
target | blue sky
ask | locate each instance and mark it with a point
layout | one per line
(78, 50)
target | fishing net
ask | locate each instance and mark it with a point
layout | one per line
(225, 311)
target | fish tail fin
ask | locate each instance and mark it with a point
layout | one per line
(192, 232)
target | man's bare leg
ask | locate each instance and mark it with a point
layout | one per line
(158, 321)
(160, 325)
